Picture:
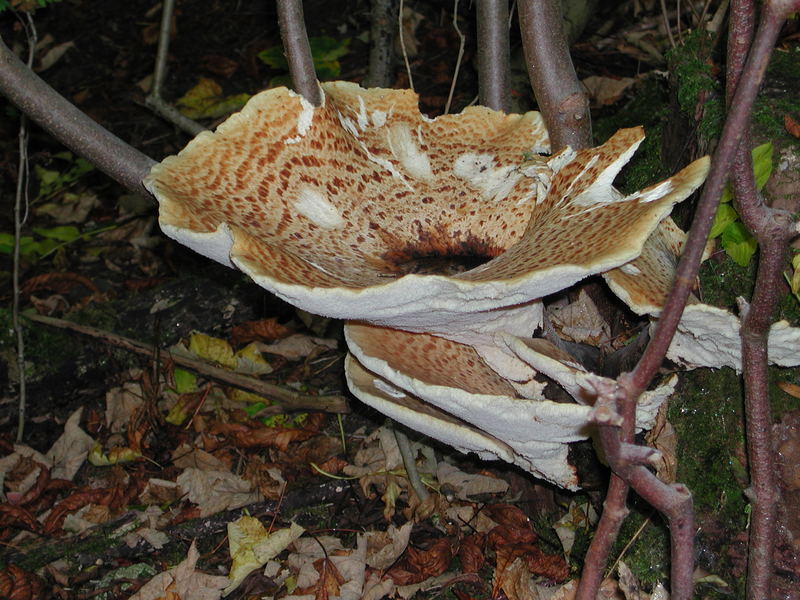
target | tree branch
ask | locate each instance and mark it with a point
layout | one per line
(494, 64)
(298, 50)
(561, 98)
(65, 122)
(381, 52)
(773, 230)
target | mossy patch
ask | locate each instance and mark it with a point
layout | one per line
(647, 108)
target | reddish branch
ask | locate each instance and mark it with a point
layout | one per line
(773, 230)
(70, 126)
(494, 64)
(561, 98)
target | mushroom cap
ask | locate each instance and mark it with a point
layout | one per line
(579, 383)
(452, 378)
(706, 336)
(327, 207)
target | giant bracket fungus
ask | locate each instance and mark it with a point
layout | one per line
(344, 210)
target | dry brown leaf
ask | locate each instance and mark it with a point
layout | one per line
(329, 579)
(471, 553)
(297, 346)
(183, 582)
(259, 331)
(792, 126)
(514, 526)
(790, 388)
(604, 91)
(16, 584)
(385, 547)
(214, 491)
(18, 517)
(418, 565)
(663, 438)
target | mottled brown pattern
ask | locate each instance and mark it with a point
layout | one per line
(430, 359)
(647, 291)
(247, 176)
(386, 209)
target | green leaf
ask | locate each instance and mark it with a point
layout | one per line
(726, 215)
(185, 381)
(325, 51)
(738, 243)
(762, 164)
(62, 233)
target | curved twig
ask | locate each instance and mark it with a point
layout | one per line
(70, 126)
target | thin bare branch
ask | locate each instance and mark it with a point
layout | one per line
(561, 98)
(284, 399)
(20, 215)
(402, 37)
(70, 126)
(689, 264)
(494, 65)
(298, 50)
(154, 101)
(461, 42)
(773, 230)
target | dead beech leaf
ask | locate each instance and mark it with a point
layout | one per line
(215, 491)
(17, 584)
(70, 450)
(259, 331)
(790, 388)
(468, 484)
(18, 518)
(297, 346)
(792, 126)
(385, 547)
(183, 582)
(470, 552)
(329, 579)
(604, 91)
(418, 565)
(514, 527)
(663, 438)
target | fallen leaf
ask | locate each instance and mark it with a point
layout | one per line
(183, 582)
(206, 101)
(418, 565)
(604, 91)
(468, 484)
(215, 491)
(578, 516)
(257, 331)
(514, 526)
(792, 126)
(470, 552)
(297, 346)
(663, 438)
(17, 584)
(70, 450)
(385, 547)
(790, 388)
(251, 546)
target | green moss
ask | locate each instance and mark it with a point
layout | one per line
(707, 415)
(648, 554)
(647, 108)
(778, 97)
(722, 281)
(696, 83)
